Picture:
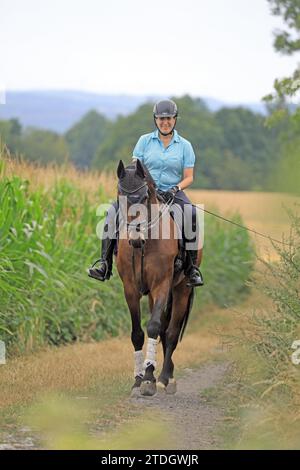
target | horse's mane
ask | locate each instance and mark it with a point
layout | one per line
(149, 178)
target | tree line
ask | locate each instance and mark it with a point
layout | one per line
(234, 149)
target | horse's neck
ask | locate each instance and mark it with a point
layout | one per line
(154, 202)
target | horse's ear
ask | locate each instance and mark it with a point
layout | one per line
(139, 169)
(121, 170)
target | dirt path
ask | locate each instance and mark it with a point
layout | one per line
(191, 421)
(18, 441)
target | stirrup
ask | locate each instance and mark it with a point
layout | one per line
(95, 273)
(190, 283)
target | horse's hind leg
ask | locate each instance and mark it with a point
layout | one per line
(161, 385)
(166, 377)
(137, 337)
(180, 304)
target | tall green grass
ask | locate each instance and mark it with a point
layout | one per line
(228, 260)
(48, 239)
(265, 383)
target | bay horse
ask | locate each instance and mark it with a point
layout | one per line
(146, 267)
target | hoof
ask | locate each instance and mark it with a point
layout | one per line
(148, 389)
(171, 388)
(135, 392)
(161, 388)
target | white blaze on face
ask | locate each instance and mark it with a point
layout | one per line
(135, 235)
(137, 215)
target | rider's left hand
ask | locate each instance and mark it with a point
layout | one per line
(170, 194)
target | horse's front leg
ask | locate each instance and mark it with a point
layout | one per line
(160, 297)
(137, 336)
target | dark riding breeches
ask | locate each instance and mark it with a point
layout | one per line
(190, 223)
(111, 224)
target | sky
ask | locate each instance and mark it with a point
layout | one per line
(212, 48)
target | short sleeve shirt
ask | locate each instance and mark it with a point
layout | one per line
(165, 165)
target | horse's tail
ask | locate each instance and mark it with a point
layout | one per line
(187, 313)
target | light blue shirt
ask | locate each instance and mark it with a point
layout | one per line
(165, 165)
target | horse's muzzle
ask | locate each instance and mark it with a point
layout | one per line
(136, 241)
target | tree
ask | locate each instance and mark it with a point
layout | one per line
(10, 133)
(85, 137)
(122, 137)
(44, 146)
(230, 137)
(287, 42)
(247, 139)
(287, 174)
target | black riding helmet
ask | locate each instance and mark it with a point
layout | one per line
(165, 108)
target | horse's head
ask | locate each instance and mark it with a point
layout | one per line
(134, 190)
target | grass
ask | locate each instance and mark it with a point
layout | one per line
(44, 178)
(262, 394)
(261, 211)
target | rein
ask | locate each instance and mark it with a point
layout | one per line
(148, 224)
(142, 288)
(241, 226)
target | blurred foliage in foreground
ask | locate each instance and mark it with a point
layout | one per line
(62, 423)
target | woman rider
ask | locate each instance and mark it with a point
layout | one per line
(170, 160)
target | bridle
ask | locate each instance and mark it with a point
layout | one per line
(132, 191)
(143, 224)
(135, 199)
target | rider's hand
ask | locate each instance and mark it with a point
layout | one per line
(170, 194)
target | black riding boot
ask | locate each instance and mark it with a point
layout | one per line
(192, 272)
(104, 271)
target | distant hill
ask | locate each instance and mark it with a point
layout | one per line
(60, 110)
